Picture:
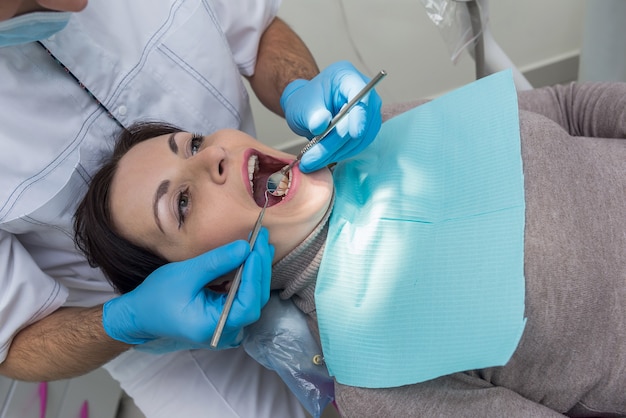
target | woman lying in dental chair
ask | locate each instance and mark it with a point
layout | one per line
(497, 218)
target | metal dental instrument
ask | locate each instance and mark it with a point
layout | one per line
(274, 180)
(234, 286)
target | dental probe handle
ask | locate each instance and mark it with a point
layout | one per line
(234, 286)
(338, 117)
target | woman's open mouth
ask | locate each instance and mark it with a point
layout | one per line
(260, 167)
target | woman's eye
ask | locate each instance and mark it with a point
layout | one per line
(183, 205)
(195, 143)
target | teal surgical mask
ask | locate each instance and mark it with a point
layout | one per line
(32, 27)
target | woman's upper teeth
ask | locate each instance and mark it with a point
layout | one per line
(253, 166)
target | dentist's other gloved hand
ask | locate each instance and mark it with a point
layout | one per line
(172, 309)
(309, 107)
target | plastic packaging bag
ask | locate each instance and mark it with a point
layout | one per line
(281, 341)
(455, 23)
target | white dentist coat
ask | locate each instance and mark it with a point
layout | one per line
(179, 61)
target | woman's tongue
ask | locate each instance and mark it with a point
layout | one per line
(260, 186)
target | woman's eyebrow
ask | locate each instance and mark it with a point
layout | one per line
(165, 184)
(161, 190)
(172, 143)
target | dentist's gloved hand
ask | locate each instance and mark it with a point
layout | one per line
(309, 107)
(173, 305)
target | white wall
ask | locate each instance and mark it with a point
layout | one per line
(603, 52)
(398, 36)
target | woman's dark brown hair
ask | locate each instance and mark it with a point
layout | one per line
(125, 264)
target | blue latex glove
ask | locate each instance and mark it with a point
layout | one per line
(173, 302)
(309, 107)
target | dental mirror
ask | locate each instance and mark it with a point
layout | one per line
(275, 180)
(278, 182)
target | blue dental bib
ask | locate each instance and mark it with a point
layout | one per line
(422, 274)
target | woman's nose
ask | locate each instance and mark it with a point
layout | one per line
(212, 160)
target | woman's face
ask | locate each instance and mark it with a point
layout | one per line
(180, 195)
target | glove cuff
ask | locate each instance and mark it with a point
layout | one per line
(291, 87)
(116, 323)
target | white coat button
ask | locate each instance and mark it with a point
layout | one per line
(121, 110)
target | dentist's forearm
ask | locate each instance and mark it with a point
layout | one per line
(282, 58)
(70, 342)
